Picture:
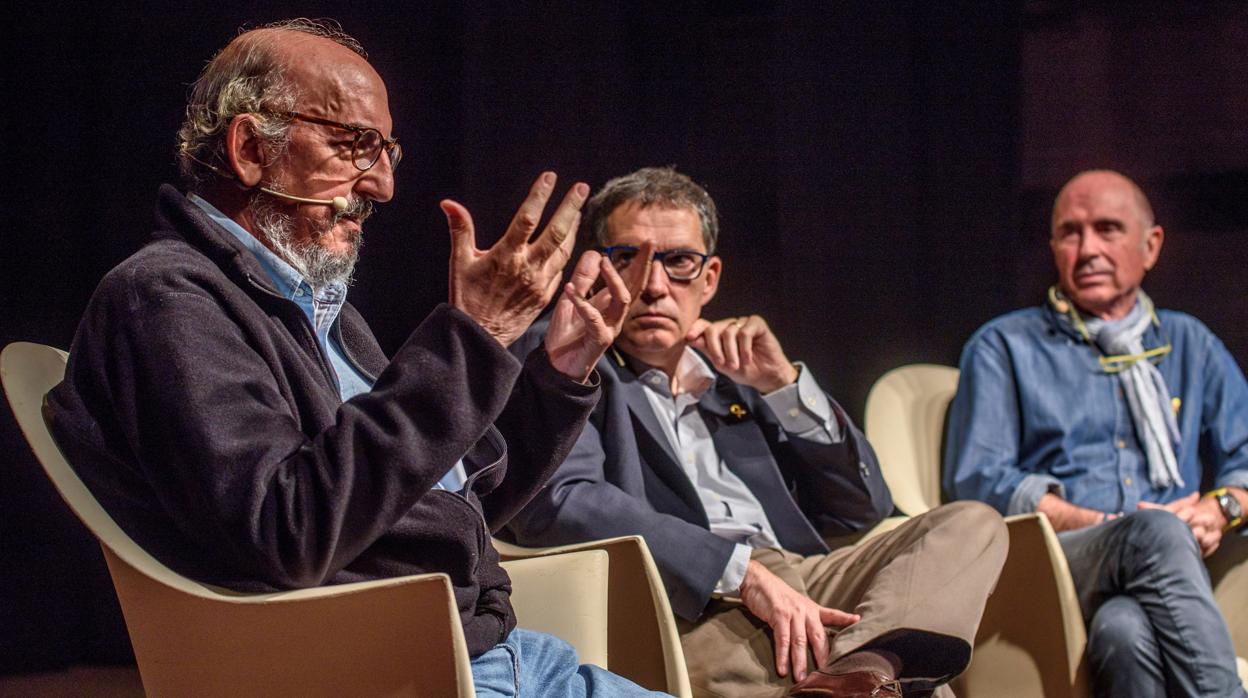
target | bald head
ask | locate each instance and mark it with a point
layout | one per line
(1101, 180)
(262, 70)
(1103, 240)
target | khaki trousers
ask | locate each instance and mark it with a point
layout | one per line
(920, 589)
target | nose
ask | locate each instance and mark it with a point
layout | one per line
(656, 284)
(377, 182)
(1089, 243)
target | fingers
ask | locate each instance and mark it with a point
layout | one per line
(594, 325)
(586, 272)
(781, 633)
(696, 330)
(617, 295)
(797, 646)
(818, 638)
(637, 274)
(556, 242)
(463, 233)
(530, 212)
(836, 618)
(1183, 502)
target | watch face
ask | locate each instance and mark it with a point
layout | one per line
(1230, 506)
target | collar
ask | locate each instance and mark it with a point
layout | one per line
(693, 373)
(1066, 318)
(288, 282)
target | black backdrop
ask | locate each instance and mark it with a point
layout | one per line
(883, 171)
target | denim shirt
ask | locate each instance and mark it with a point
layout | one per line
(1034, 413)
(321, 309)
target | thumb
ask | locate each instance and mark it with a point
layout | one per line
(463, 234)
(837, 618)
(696, 329)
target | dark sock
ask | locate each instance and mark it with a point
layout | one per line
(882, 661)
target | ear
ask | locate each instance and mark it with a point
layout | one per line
(714, 267)
(1152, 246)
(243, 150)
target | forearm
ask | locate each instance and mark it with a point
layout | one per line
(545, 415)
(1065, 516)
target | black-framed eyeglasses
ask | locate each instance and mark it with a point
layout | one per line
(680, 265)
(367, 146)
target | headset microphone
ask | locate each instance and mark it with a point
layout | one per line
(338, 202)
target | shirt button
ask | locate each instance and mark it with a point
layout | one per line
(1127, 482)
(810, 401)
(298, 293)
(862, 468)
(793, 412)
(1122, 444)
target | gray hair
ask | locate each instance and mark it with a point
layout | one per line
(650, 186)
(247, 76)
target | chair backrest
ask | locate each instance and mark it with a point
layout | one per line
(28, 371)
(373, 638)
(905, 423)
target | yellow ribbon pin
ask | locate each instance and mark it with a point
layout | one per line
(737, 410)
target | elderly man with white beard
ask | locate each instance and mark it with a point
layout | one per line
(239, 420)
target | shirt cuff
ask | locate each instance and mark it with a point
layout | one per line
(1235, 478)
(730, 583)
(802, 408)
(1027, 495)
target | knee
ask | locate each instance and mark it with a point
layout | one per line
(977, 525)
(1157, 530)
(1120, 628)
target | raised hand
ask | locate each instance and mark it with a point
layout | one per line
(505, 287)
(796, 622)
(745, 350)
(581, 329)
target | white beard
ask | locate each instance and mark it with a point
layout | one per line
(318, 265)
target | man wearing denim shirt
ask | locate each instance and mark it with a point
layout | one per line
(1107, 415)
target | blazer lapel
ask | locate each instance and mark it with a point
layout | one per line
(744, 449)
(652, 443)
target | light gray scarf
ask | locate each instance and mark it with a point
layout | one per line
(1145, 389)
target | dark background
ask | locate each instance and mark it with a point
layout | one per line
(884, 172)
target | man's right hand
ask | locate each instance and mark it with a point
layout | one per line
(505, 287)
(796, 621)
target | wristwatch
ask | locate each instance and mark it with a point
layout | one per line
(1229, 505)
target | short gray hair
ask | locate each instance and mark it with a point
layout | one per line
(247, 76)
(650, 186)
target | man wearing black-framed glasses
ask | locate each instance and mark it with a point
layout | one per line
(734, 465)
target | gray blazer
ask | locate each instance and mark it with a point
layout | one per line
(622, 478)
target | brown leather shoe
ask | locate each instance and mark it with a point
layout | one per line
(858, 684)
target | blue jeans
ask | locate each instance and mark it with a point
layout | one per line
(1153, 626)
(539, 665)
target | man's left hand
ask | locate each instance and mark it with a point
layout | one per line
(1203, 516)
(745, 350)
(582, 328)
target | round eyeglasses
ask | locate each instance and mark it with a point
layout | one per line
(680, 265)
(367, 146)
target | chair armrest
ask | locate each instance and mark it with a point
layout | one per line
(398, 636)
(565, 595)
(1228, 571)
(1031, 640)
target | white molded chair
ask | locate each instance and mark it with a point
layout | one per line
(1032, 638)
(646, 647)
(391, 637)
